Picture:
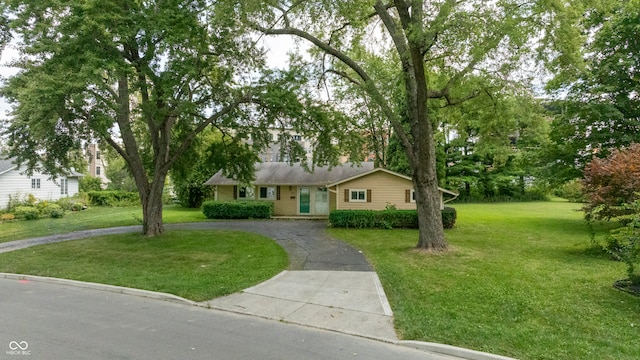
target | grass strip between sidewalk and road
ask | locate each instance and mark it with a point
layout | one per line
(519, 281)
(194, 264)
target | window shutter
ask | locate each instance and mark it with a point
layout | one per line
(346, 195)
(407, 196)
(278, 192)
(235, 192)
(368, 195)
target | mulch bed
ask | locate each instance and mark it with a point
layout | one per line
(626, 286)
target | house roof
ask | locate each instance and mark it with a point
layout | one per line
(8, 165)
(281, 173)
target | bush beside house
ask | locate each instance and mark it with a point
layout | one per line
(385, 219)
(237, 209)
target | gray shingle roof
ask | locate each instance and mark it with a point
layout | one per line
(281, 173)
(6, 165)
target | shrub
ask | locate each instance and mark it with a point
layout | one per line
(53, 210)
(623, 243)
(7, 217)
(113, 198)
(449, 216)
(90, 183)
(27, 212)
(237, 209)
(611, 182)
(571, 191)
(385, 219)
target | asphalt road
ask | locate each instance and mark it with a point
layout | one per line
(47, 321)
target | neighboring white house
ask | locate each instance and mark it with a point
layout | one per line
(15, 184)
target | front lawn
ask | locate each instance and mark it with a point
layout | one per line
(194, 264)
(94, 217)
(519, 281)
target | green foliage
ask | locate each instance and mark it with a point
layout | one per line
(237, 209)
(26, 212)
(571, 191)
(623, 243)
(55, 211)
(113, 198)
(601, 111)
(449, 216)
(90, 183)
(385, 219)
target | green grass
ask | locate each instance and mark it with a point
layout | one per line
(92, 218)
(197, 265)
(519, 281)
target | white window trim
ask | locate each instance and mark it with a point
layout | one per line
(351, 191)
(412, 196)
(275, 193)
(253, 193)
(35, 183)
(64, 186)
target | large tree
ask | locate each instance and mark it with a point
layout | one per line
(144, 77)
(601, 112)
(435, 48)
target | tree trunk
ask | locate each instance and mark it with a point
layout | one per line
(152, 208)
(425, 183)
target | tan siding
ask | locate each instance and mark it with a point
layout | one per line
(225, 192)
(288, 204)
(385, 188)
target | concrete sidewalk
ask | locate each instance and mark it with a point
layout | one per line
(350, 302)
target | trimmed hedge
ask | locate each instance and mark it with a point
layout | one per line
(113, 198)
(237, 209)
(385, 219)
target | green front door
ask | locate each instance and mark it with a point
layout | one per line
(305, 200)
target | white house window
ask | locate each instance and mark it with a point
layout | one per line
(97, 170)
(413, 196)
(268, 192)
(358, 195)
(64, 186)
(245, 192)
(35, 183)
(297, 137)
(98, 155)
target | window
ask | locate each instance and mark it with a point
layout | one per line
(97, 170)
(268, 192)
(409, 196)
(64, 186)
(297, 137)
(98, 155)
(358, 195)
(35, 183)
(245, 192)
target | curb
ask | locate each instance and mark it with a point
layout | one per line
(102, 287)
(452, 350)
